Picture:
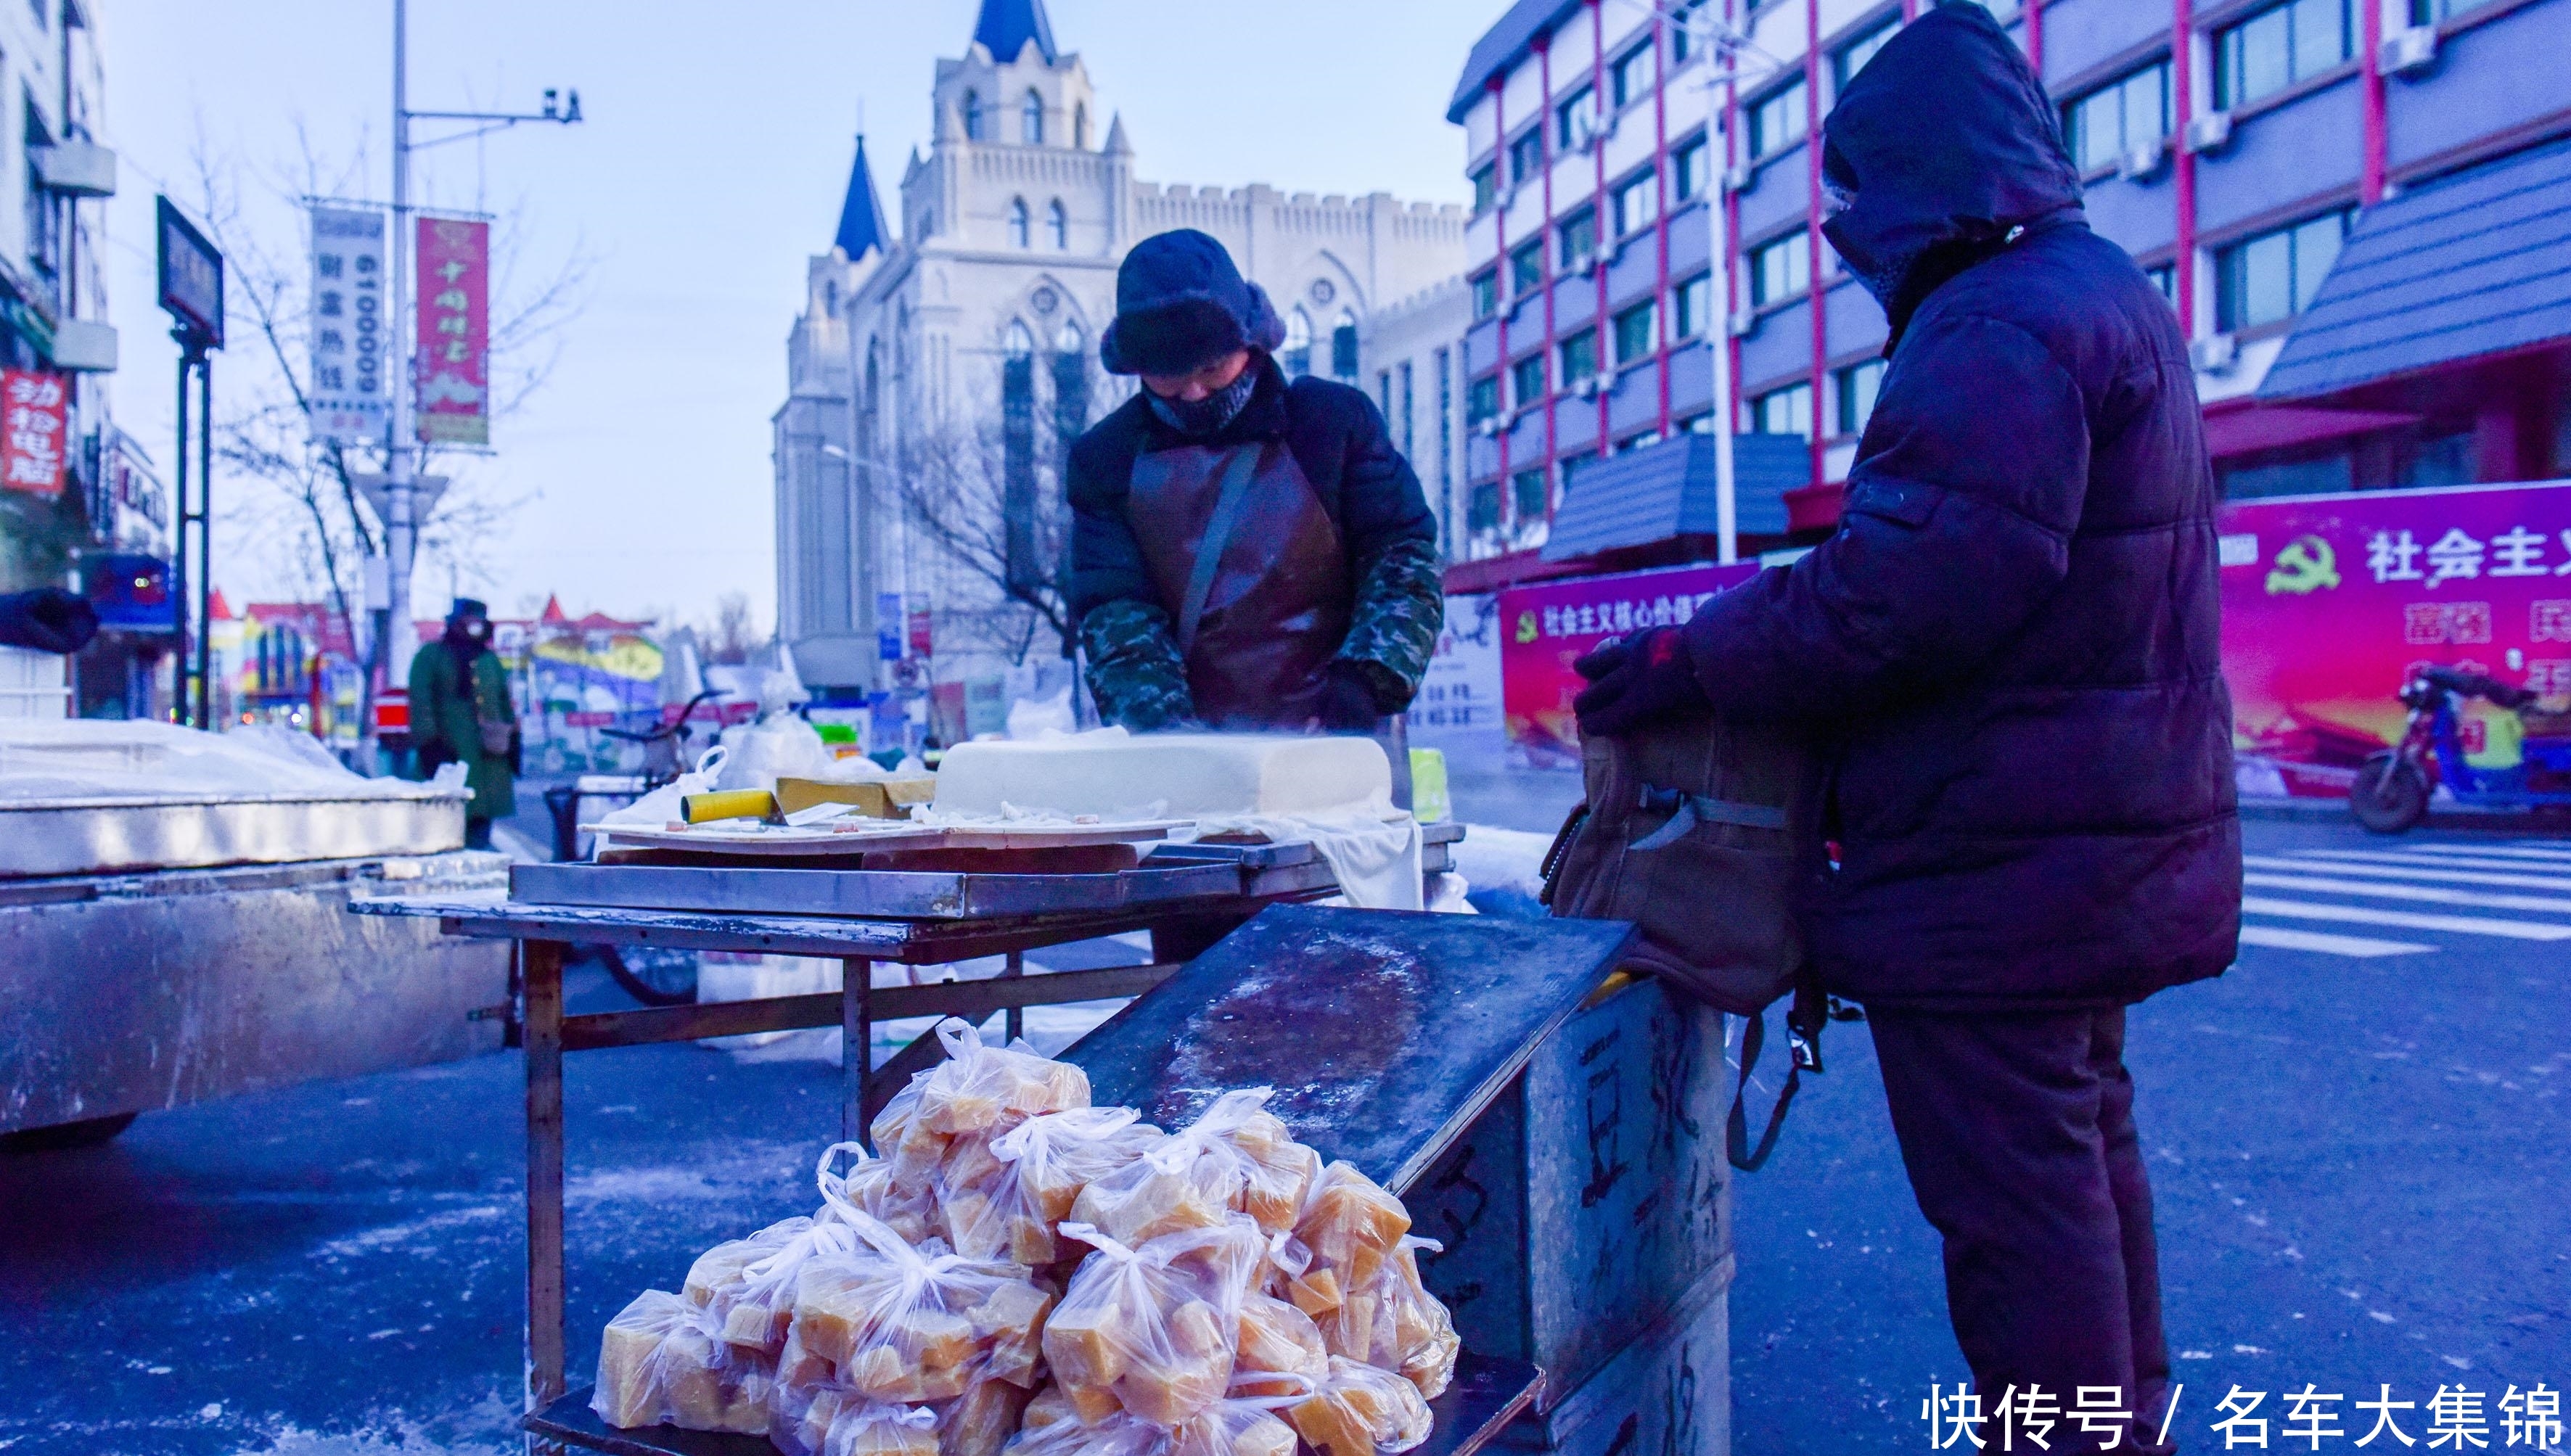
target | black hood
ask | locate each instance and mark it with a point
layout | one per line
(1948, 141)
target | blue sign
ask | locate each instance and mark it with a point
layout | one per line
(888, 621)
(130, 593)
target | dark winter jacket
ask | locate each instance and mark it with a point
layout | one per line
(1338, 438)
(2010, 642)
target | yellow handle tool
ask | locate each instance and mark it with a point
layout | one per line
(737, 803)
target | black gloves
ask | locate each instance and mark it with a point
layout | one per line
(1634, 681)
(1350, 703)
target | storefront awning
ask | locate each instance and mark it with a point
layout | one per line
(2467, 266)
(1664, 491)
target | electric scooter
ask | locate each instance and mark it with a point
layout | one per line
(2393, 788)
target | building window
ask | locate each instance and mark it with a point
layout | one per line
(1526, 380)
(1486, 185)
(1635, 328)
(1682, 30)
(1776, 122)
(2432, 12)
(1407, 414)
(1482, 399)
(1786, 411)
(1021, 340)
(1782, 269)
(1691, 306)
(1344, 346)
(1574, 120)
(1018, 224)
(1853, 389)
(1637, 204)
(1483, 514)
(1067, 339)
(1852, 58)
(2118, 117)
(1687, 171)
(1383, 394)
(1297, 358)
(1440, 364)
(1528, 487)
(1486, 294)
(1526, 268)
(1579, 358)
(2274, 275)
(972, 116)
(1526, 154)
(1631, 77)
(1080, 124)
(1058, 227)
(2277, 48)
(2164, 279)
(1579, 236)
(1031, 119)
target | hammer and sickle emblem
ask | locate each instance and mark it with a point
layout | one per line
(1526, 628)
(2305, 565)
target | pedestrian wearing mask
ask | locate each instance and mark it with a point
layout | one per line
(460, 713)
(1247, 551)
(2006, 656)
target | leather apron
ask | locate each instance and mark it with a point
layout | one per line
(1282, 596)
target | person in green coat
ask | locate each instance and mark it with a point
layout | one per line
(460, 713)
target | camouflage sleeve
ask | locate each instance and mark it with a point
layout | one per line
(1400, 609)
(1133, 667)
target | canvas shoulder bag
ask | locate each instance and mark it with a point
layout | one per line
(1694, 829)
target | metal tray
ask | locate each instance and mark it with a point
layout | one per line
(873, 893)
(118, 837)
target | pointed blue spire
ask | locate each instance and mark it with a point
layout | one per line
(860, 217)
(1007, 25)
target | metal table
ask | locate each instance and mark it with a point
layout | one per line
(1186, 896)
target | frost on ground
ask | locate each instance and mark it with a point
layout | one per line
(1505, 868)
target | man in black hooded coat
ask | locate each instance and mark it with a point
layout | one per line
(2008, 655)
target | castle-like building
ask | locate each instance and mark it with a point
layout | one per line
(945, 357)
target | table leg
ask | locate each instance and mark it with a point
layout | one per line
(857, 1044)
(543, 1018)
(1017, 1021)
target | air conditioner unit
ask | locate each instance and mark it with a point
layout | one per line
(77, 169)
(1585, 264)
(2142, 162)
(1587, 388)
(1735, 178)
(2214, 353)
(1742, 326)
(2208, 132)
(1488, 430)
(2411, 48)
(84, 346)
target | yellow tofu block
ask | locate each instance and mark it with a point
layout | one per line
(1351, 1224)
(1011, 1321)
(628, 1396)
(1172, 1393)
(838, 1306)
(1277, 1337)
(933, 1338)
(1315, 1291)
(869, 1430)
(1050, 1406)
(1087, 1346)
(1196, 1330)
(1263, 1435)
(1094, 1405)
(982, 1421)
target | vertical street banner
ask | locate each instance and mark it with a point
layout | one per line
(35, 430)
(1546, 626)
(1458, 707)
(347, 398)
(454, 331)
(2330, 602)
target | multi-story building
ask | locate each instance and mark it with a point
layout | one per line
(1410, 357)
(2229, 146)
(945, 357)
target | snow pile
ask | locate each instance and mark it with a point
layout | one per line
(88, 759)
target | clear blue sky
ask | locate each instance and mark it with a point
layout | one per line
(710, 165)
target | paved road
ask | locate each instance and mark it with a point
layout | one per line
(2359, 1135)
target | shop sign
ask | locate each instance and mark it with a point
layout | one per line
(454, 331)
(1546, 626)
(345, 398)
(35, 429)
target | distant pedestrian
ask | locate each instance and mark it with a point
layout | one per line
(460, 713)
(2007, 656)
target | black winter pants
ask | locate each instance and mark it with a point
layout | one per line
(2018, 1134)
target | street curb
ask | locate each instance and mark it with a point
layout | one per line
(2441, 815)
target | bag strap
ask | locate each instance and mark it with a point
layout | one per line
(1228, 501)
(1804, 1021)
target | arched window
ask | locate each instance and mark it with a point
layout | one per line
(972, 116)
(1080, 124)
(1067, 339)
(1344, 346)
(831, 297)
(1297, 357)
(1021, 343)
(1018, 224)
(1058, 227)
(1031, 119)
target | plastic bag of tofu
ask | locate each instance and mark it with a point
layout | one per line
(1243, 1424)
(748, 1284)
(1394, 1323)
(1280, 1352)
(1003, 1198)
(662, 1361)
(906, 1325)
(981, 1421)
(863, 1428)
(1151, 1329)
(1235, 1158)
(1361, 1412)
(1347, 1230)
(978, 1091)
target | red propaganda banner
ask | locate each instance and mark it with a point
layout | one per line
(1545, 628)
(454, 331)
(2330, 601)
(922, 631)
(35, 430)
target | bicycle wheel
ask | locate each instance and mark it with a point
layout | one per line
(655, 975)
(2390, 794)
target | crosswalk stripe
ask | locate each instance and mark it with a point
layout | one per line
(2416, 860)
(2505, 851)
(2373, 872)
(2431, 894)
(2279, 937)
(2406, 919)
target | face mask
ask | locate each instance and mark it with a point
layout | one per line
(1207, 415)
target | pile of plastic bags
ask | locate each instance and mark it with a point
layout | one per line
(1021, 1272)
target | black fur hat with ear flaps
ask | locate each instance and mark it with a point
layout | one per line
(1180, 305)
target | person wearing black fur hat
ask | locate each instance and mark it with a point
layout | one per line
(1247, 551)
(460, 713)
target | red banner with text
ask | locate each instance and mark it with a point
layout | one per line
(1545, 628)
(35, 430)
(454, 331)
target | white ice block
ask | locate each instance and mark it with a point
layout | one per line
(1175, 775)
